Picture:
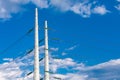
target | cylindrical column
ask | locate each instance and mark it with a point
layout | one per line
(46, 53)
(36, 52)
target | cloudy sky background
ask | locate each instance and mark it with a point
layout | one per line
(84, 38)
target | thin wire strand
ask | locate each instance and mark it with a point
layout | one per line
(17, 41)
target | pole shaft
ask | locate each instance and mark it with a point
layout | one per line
(46, 53)
(36, 52)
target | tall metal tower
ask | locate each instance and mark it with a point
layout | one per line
(46, 53)
(36, 52)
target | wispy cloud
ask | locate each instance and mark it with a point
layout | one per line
(17, 69)
(64, 53)
(62, 63)
(14, 6)
(110, 68)
(100, 10)
(41, 3)
(118, 0)
(63, 5)
(96, 72)
(12, 69)
(118, 6)
(8, 59)
(70, 76)
(72, 48)
(82, 8)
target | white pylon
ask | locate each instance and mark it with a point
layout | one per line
(46, 53)
(36, 52)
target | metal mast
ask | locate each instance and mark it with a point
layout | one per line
(36, 52)
(46, 53)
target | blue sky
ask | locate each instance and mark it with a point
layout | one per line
(88, 31)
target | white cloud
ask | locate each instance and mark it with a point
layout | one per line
(20, 1)
(17, 69)
(100, 10)
(74, 71)
(8, 59)
(96, 72)
(54, 49)
(63, 5)
(103, 70)
(70, 76)
(10, 70)
(41, 3)
(83, 8)
(14, 6)
(76, 77)
(61, 63)
(111, 63)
